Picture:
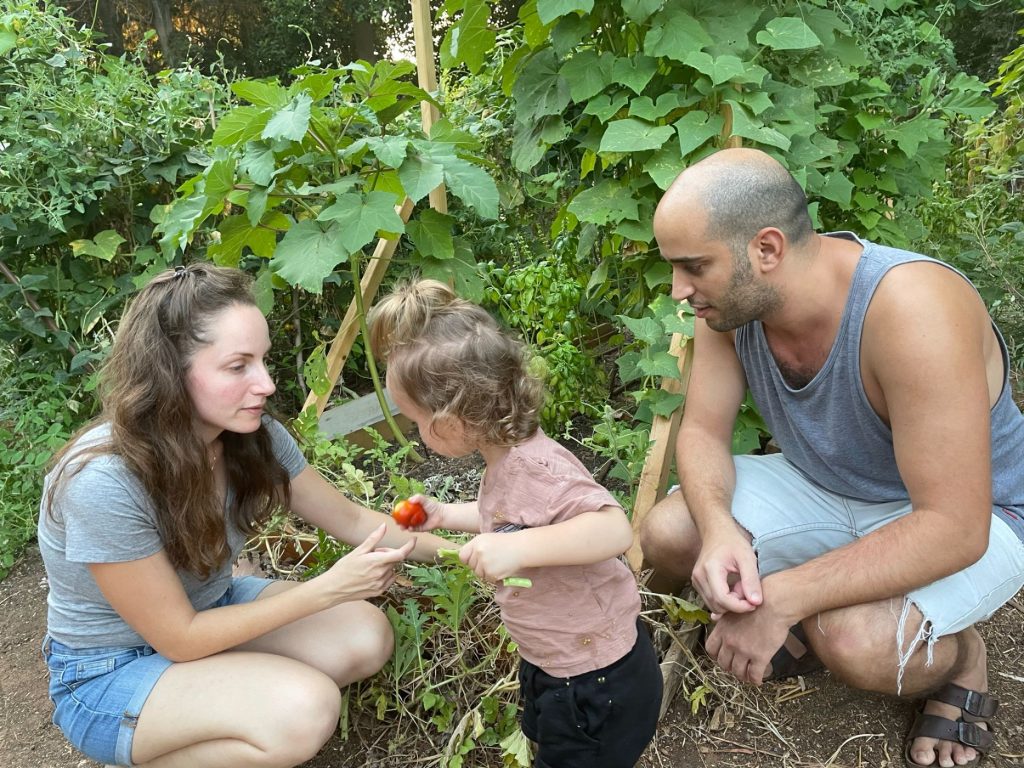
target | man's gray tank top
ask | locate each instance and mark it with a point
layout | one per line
(829, 430)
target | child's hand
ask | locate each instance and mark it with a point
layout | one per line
(433, 509)
(492, 556)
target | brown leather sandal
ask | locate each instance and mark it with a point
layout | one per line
(975, 706)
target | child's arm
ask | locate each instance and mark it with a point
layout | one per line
(587, 538)
(453, 517)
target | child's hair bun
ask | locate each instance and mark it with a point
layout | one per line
(401, 315)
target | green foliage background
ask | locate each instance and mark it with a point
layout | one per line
(563, 122)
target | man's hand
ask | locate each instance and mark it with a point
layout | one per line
(743, 643)
(726, 574)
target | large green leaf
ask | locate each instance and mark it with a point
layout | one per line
(838, 188)
(638, 11)
(645, 109)
(751, 128)
(604, 106)
(470, 39)
(8, 40)
(260, 93)
(913, 133)
(419, 176)
(607, 202)
(549, 10)
(473, 186)
(819, 71)
(641, 231)
(180, 221)
(632, 135)
(361, 217)
(720, 69)
(308, 254)
(390, 150)
(103, 246)
(787, 33)
(665, 164)
(259, 162)
(634, 72)
(540, 89)
(240, 125)
(461, 271)
(968, 96)
(675, 34)
(729, 23)
(431, 233)
(587, 74)
(291, 121)
(696, 127)
(234, 234)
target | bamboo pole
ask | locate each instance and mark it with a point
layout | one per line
(343, 340)
(654, 475)
(349, 328)
(423, 35)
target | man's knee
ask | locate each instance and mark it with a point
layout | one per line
(668, 537)
(857, 644)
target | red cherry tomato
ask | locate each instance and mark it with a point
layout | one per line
(409, 514)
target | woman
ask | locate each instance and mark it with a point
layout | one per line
(157, 656)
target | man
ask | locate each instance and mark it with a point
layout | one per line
(891, 522)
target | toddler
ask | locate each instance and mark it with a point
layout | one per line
(589, 678)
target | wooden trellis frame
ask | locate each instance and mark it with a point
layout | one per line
(381, 259)
(654, 476)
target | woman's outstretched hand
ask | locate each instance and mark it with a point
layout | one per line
(366, 571)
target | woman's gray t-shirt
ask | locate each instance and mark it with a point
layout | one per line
(104, 515)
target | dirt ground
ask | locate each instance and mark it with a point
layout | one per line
(813, 721)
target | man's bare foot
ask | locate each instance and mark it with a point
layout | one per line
(925, 751)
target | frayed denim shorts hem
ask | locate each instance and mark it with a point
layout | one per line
(792, 520)
(98, 693)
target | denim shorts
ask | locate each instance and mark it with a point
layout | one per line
(98, 693)
(793, 520)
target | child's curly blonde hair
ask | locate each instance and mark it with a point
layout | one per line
(452, 359)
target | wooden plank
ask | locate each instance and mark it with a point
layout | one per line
(349, 328)
(659, 457)
(422, 30)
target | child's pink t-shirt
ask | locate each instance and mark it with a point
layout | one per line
(575, 618)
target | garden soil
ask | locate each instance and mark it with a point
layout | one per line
(810, 721)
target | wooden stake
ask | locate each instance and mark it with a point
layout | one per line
(349, 328)
(654, 475)
(422, 29)
(664, 429)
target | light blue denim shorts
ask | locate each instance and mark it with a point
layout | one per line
(793, 520)
(98, 693)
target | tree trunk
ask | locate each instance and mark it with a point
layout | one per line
(364, 38)
(109, 21)
(163, 23)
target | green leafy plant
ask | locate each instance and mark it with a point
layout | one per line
(37, 416)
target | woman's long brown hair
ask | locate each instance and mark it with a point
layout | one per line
(152, 426)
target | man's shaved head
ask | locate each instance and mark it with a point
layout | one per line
(736, 193)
